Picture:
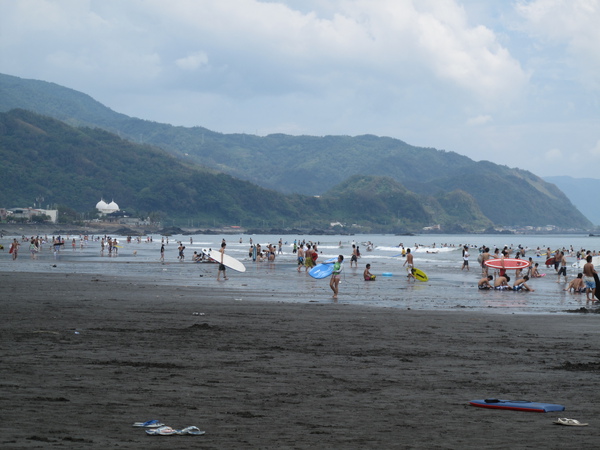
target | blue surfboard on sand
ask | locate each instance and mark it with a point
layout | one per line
(516, 405)
(322, 270)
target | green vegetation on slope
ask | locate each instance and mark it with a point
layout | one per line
(75, 167)
(312, 165)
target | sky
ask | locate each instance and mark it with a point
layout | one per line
(512, 82)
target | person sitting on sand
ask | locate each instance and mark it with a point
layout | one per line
(521, 284)
(577, 284)
(484, 283)
(501, 283)
(367, 275)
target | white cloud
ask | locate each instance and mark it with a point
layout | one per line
(354, 44)
(553, 154)
(193, 61)
(451, 74)
(479, 120)
(572, 23)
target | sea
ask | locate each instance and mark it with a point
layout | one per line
(439, 256)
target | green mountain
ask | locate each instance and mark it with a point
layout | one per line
(43, 157)
(75, 167)
(313, 165)
(365, 196)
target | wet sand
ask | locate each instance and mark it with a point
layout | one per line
(85, 356)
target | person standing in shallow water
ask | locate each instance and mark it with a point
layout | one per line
(409, 263)
(465, 253)
(338, 266)
(588, 278)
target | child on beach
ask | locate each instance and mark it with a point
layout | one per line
(367, 275)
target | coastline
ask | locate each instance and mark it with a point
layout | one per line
(85, 356)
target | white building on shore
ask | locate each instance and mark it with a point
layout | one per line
(106, 208)
(28, 213)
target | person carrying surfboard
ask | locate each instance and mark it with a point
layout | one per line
(338, 266)
(222, 267)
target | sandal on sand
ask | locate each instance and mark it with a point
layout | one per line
(194, 431)
(149, 424)
(162, 431)
(571, 422)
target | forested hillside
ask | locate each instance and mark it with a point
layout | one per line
(313, 165)
(75, 167)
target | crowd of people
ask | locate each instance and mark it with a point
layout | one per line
(585, 282)
(307, 256)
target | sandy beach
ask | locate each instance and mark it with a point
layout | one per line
(85, 356)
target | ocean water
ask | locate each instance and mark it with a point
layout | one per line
(439, 256)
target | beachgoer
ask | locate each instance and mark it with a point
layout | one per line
(530, 267)
(563, 266)
(503, 255)
(557, 259)
(354, 257)
(300, 253)
(367, 275)
(521, 284)
(484, 283)
(222, 267)
(409, 264)
(576, 284)
(465, 258)
(338, 266)
(33, 248)
(14, 249)
(501, 282)
(485, 255)
(309, 262)
(588, 278)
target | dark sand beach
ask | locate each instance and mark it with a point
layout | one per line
(84, 356)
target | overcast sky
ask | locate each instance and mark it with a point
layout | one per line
(513, 82)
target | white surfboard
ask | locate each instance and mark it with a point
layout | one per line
(228, 261)
(595, 261)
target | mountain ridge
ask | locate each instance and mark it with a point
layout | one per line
(312, 165)
(75, 167)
